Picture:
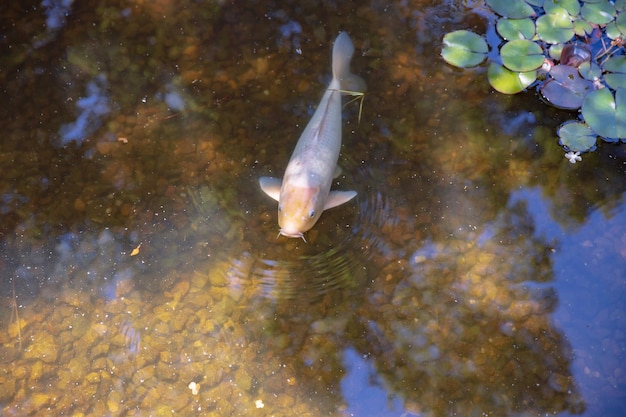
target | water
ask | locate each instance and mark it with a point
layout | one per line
(477, 272)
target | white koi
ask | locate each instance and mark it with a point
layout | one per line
(304, 192)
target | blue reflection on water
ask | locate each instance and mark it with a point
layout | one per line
(363, 392)
(56, 12)
(290, 31)
(92, 108)
(172, 98)
(10, 200)
(590, 284)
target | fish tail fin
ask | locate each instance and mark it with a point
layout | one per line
(343, 79)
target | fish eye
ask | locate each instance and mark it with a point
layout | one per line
(312, 213)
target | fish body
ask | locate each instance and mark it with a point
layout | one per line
(304, 192)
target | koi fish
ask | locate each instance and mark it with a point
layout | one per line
(304, 193)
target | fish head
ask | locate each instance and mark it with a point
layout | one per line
(299, 208)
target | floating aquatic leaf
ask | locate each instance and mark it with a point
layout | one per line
(464, 49)
(514, 9)
(509, 82)
(566, 89)
(612, 31)
(577, 136)
(511, 29)
(590, 71)
(540, 33)
(521, 55)
(555, 51)
(616, 76)
(575, 54)
(555, 27)
(572, 6)
(606, 114)
(582, 27)
(620, 21)
(599, 13)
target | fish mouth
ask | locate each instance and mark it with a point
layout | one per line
(285, 233)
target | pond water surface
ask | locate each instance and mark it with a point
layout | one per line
(477, 273)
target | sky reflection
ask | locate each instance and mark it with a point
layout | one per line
(590, 280)
(92, 109)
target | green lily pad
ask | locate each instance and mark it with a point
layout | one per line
(616, 76)
(555, 27)
(514, 9)
(464, 49)
(582, 27)
(577, 136)
(555, 51)
(522, 55)
(566, 89)
(509, 82)
(511, 29)
(612, 31)
(606, 114)
(620, 21)
(572, 6)
(599, 13)
(590, 71)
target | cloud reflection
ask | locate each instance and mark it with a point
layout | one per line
(91, 108)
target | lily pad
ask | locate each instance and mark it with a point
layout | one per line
(582, 28)
(616, 76)
(555, 51)
(572, 6)
(511, 29)
(606, 114)
(577, 136)
(612, 31)
(506, 81)
(555, 27)
(521, 55)
(575, 54)
(599, 13)
(566, 89)
(514, 9)
(620, 21)
(590, 71)
(464, 49)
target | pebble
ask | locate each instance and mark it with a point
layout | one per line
(43, 347)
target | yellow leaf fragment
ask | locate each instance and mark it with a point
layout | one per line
(136, 250)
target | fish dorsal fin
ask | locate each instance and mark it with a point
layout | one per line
(337, 198)
(271, 186)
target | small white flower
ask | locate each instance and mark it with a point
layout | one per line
(573, 156)
(195, 388)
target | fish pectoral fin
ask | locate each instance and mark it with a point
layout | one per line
(337, 198)
(271, 186)
(337, 172)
